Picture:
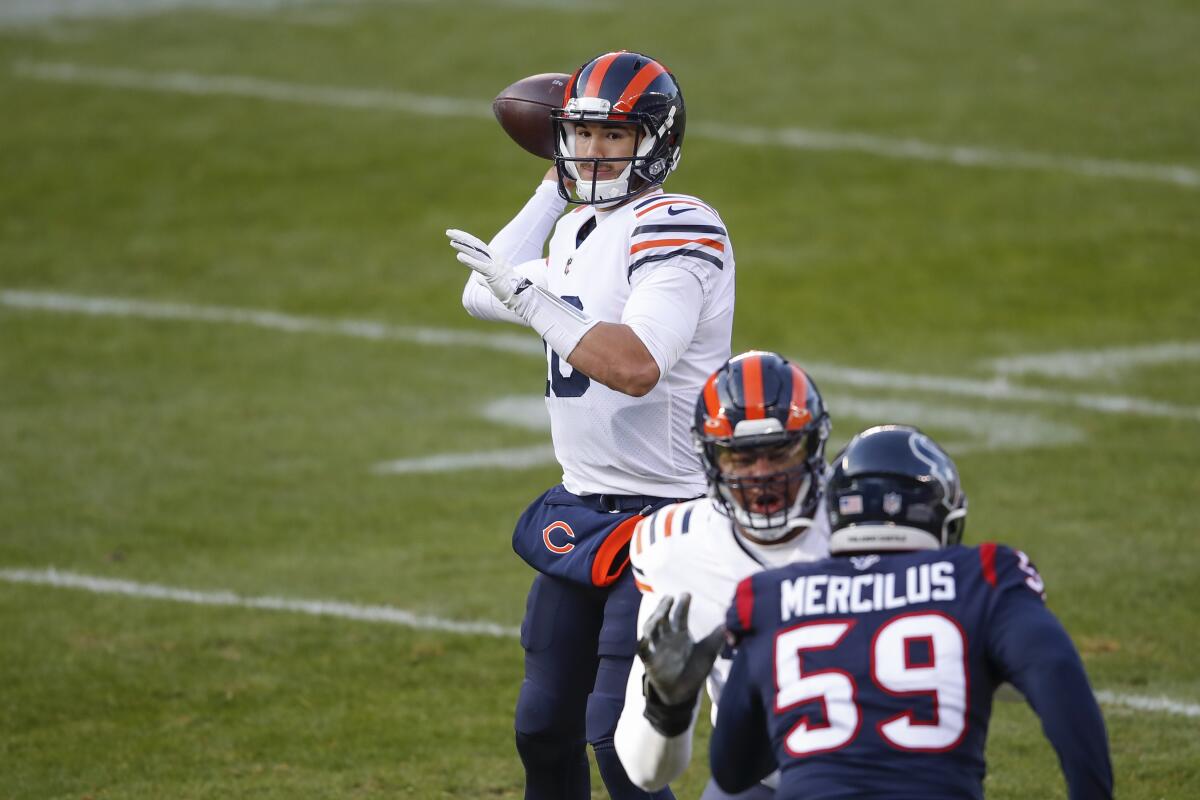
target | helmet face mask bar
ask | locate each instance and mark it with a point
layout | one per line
(630, 90)
(761, 429)
(769, 486)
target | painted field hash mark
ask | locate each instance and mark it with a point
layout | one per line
(395, 616)
(271, 320)
(997, 389)
(316, 608)
(791, 137)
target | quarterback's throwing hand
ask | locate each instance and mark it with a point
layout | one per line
(474, 252)
(677, 666)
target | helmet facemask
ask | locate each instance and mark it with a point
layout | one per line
(646, 167)
(769, 505)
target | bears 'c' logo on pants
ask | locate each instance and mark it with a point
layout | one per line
(558, 526)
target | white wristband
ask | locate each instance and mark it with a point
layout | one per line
(558, 322)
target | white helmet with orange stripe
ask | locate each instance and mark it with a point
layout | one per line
(620, 129)
(761, 429)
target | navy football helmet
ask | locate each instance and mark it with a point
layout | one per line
(894, 489)
(628, 89)
(760, 429)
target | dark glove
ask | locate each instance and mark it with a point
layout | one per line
(676, 666)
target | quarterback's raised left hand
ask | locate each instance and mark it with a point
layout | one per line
(474, 252)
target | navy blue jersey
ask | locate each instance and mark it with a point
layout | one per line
(873, 676)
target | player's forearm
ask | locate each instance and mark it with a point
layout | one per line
(1058, 690)
(651, 759)
(480, 303)
(613, 354)
(524, 237)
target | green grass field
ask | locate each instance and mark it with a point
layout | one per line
(170, 169)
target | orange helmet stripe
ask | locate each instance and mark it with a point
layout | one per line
(597, 77)
(633, 92)
(752, 386)
(570, 86)
(716, 424)
(799, 414)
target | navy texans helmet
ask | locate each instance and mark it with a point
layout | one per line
(894, 489)
(628, 89)
(760, 429)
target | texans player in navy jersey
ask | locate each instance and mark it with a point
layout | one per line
(872, 673)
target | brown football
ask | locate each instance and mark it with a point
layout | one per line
(523, 110)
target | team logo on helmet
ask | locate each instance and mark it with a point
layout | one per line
(891, 503)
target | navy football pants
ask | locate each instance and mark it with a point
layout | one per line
(579, 643)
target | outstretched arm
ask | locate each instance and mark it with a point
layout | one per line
(1037, 655)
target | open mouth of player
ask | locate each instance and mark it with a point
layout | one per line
(765, 502)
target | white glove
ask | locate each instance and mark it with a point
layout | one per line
(496, 275)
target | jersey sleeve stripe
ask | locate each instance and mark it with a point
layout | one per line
(987, 556)
(679, 202)
(645, 588)
(638, 532)
(646, 245)
(692, 252)
(669, 228)
(687, 518)
(655, 198)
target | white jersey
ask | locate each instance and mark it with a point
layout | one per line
(661, 264)
(607, 441)
(691, 547)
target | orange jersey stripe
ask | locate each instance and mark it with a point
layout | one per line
(713, 243)
(752, 385)
(597, 76)
(696, 203)
(644, 77)
(667, 523)
(645, 588)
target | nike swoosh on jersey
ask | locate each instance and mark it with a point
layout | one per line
(673, 211)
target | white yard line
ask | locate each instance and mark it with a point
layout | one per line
(396, 616)
(317, 608)
(432, 105)
(1142, 703)
(272, 320)
(1091, 363)
(36, 12)
(980, 429)
(997, 389)
(256, 88)
(514, 458)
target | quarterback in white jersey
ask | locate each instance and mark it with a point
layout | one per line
(634, 302)
(762, 427)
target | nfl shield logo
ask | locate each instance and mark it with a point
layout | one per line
(891, 504)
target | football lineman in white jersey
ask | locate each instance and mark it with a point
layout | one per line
(635, 304)
(761, 428)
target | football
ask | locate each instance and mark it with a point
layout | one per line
(523, 110)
